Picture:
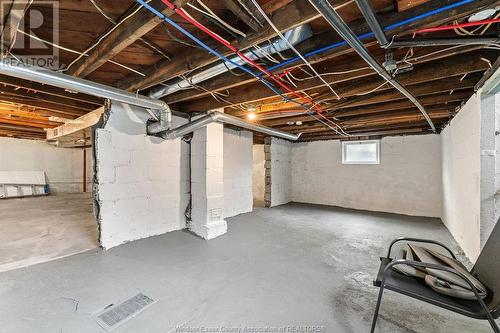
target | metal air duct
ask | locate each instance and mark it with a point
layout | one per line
(294, 36)
(215, 116)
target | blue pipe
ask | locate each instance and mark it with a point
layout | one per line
(370, 34)
(217, 54)
(307, 55)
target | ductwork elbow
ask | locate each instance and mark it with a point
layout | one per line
(164, 121)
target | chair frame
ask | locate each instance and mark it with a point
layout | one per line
(393, 263)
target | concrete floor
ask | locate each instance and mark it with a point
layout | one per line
(290, 265)
(39, 229)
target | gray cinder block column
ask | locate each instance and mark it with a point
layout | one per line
(207, 182)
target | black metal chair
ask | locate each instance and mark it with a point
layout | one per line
(486, 270)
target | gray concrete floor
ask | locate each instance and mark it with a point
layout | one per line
(39, 229)
(290, 265)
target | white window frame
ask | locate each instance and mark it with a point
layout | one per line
(345, 144)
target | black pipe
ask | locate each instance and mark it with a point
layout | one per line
(371, 18)
(332, 17)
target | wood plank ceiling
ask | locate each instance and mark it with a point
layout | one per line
(143, 52)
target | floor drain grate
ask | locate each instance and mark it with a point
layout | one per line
(115, 315)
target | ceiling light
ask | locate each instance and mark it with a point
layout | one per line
(482, 15)
(290, 123)
(299, 123)
(251, 116)
(252, 109)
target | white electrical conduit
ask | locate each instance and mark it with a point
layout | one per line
(261, 11)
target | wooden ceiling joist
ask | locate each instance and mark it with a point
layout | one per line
(121, 37)
(442, 78)
(12, 20)
(252, 19)
(292, 15)
(360, 26)
(443, 68)
(49, 90)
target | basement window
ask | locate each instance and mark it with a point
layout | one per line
(361, 152)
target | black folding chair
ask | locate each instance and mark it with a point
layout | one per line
(486, 270)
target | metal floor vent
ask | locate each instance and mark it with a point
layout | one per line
(115, 315)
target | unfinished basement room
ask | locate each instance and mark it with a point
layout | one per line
(249, 166)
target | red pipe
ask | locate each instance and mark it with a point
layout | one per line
(224, 42)
(461, 25)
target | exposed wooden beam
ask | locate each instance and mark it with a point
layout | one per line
(33, 111)
(46, 105)
(121, 37)
(28, 122)
(422, 89)
(11, 24)
(292, 15)
(40, 96)
(457, 65)
(274, 5)
(281, 123)
(359, 119)
(251, 20)
(22, 135)
(364, 134)
(49, 90)
(24, 114)
(226, 81)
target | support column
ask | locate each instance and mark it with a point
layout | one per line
(207, 182)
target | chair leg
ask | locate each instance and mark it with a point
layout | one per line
(493, 325)
(377, 307)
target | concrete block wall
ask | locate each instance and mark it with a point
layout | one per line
(407, 181)
(63, 167)
(259, 174)
(238, 197)
(278, 189)
(142, 181)
(461, 152)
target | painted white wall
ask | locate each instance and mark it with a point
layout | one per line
(407, 181)
(63, 167)
(259, 173)
(142, 187)
(281, 171)
(461, 167)
(237, 172)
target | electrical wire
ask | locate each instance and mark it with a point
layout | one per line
(221, 40)
(290, 45)
(371, 34)
(461, 25)
(175, 39)
(94, 45)
(224, 42)
(249, 12)
(215, 21)
(210, 13)
(76, 52)
(145, 41)
(217, 54)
